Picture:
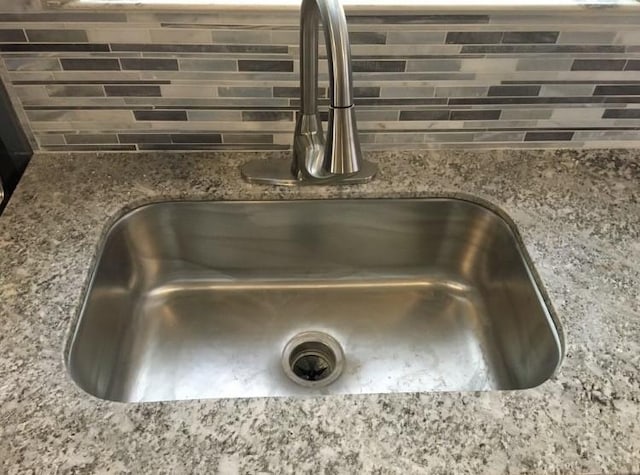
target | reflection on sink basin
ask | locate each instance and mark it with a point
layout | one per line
(198, 300)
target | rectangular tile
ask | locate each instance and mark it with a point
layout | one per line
(92, 148)
(621, 114)
(53, 47)
(617, 90)
(214, 115)
(32, 64)
(66, 16)
(544, 136)
(171, 115)
(265, 65)
(429, 65)
(75, 139)
(57, 36)
(242, 36)
(529, 37)
(417, 19)
(440, 114)
(366, 91)
(90, 64)
(498, 136)
(577, 114)
(186, 64)
(461, 91)
(473, 37)
(149, 64)
(196, 138)
(407, 91)
(242, 91)
(132, 90)
(526, 114)
(587, 37)
(188, 91)
(415, 37)
(267, 116)
(247, 138)
(200, 48)
(367, 38)
(475, 114)
(544, 64)
(12, 36)
(540, 48)
(180, 36)
(378, 66)
(566, 90)
(144, 138)
(76, 90)
(632, 65)
(598, 64)
(118, 35)
(514, 90)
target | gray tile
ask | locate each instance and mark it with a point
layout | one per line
(514, 90)
(528, 37)
(526, 114)
(208, 64)
(57, 36)
(544, 64)
(144, 138)
(440, 114)
(540, 48)
(417, 19)
(267, 116)
(415, 37)
(544, 136)
(12, 36)
(172, 115)
(180, 36)
(632, 65)
(200, 48)
(598, 64)
(473, 37)
(366, 91)
(247, 138)
(90, 64)
(364, 115)
(475, 114)
(429, 65)
(367, 38)
(77, 139)
(215, 115)
(407, 91)
(617, 90)
(566, 90)
(118, 35)
(50, 139)
(196, 138)
(245, 37)
(399, 137)
(267, 65)
(92, 148)
(132, 90)
(461, 91)
(445, 137)
(76, 90)
(32, 64)
(149, 64)
(621, 114)
(242, 91)
(67, 16)
(185, 91)
(378, 66)
(498, 136)
(587, 37)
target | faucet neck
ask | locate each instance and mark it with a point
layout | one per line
(336, 36)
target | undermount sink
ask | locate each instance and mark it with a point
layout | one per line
(250, 299)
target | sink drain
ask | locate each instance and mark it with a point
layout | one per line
(313, 359)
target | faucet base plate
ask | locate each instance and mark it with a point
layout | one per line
(276, 171)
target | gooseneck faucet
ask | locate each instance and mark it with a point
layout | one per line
(336, 159)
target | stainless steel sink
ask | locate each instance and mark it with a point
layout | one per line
(249, 299)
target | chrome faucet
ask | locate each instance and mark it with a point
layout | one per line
(316, 160)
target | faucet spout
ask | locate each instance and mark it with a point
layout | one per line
(336, 158)
(339, 154)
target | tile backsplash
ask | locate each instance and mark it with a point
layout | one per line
(141, 80)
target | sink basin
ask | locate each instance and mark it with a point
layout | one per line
(251, 299)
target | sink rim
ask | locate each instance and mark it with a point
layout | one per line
(123, 214)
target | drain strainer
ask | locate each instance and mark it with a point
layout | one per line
(313, 359)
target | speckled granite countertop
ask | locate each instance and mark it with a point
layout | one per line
(579, 215)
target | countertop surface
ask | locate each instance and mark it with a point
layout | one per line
(579, 216)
